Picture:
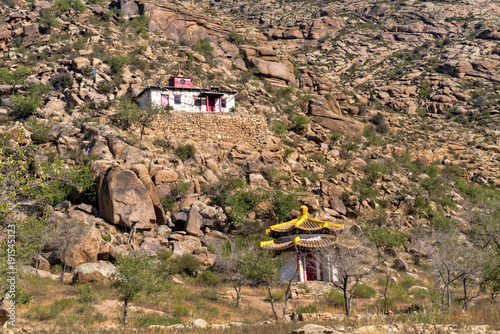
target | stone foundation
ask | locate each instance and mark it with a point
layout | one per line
(215, 127)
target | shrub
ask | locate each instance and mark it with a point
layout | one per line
(14, 78)
(61, 81)
(87, 294)
(333, 298)
(279, 128)
(66, 5)
(363, 291)
(235, 38)
(168, 203)
(185, 264)
(299, 121)
(146, 320)
(210, 295)
(118, 62)
(380, 123)
(208, 278)
(425, 89)
(278, 296)
(165, 144)
(287, 153)
(141, 23)
(203, 46)
(185, 152)
(24, 106)
(39, 131)
(335, 136)
(307, 309)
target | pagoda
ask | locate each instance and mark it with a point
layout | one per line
(303, 242)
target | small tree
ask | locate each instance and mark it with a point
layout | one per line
(353, 262)
(67, 234)
(134, 275)
(131, 114)
(261, 268)
(447, 258)
(227, 262)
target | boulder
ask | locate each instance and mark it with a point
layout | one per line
(272, 69)
(257, 181)
(322, 115)
(93, 272)
(337, 205)
(31, 34)
(401, 265)
(154, 245)
(164, 176)
(187, 246)
(214, 237)
(314, 329)
(123, 199)
(81, 248)
(40, 263)
(79, 63)
(194, 222)
(198, 323)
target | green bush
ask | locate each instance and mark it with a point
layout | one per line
(67, 5)
(168, 203)
(380, 123)
(40, 132)
(335, 136)
(208, 278)
(363, 291)
(185, 152)
(307, 309)
(333, 298)
(61, 81)
(24, 106)
(118, 62)
(87, 294)
(145, 320)
(141, 23)
(279, 128)
(211, 295)
(165, 144)
(184, 264)
(14, 78)
(299, 120)
(278, 296)
(235, 38)
(203, 46)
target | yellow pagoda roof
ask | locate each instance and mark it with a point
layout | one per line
(282, 244)
(304, 224)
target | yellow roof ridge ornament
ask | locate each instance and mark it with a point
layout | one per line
(296, 223)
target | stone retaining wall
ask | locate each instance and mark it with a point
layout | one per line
(216, 127)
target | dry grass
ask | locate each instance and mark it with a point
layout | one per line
(55, 306)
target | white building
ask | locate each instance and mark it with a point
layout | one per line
(182, 97)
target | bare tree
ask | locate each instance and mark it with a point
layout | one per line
(353, 260)
(447, 257)
(228, 255)
(66, 235)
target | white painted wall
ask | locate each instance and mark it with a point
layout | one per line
(153, 96)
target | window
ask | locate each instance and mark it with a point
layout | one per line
(197, 101)
(223, 103)
(177, 99)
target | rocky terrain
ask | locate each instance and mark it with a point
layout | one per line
(371, 113)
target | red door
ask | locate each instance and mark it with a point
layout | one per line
(164, 100)
(210, 104)
(312, 268)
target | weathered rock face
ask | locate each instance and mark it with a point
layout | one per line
(194, 222)
(81, 249)
(314, 329)
(322, 115)
(123, 199)
(93, 272)
(178, 23)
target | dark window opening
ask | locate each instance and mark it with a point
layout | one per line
(222, 103)
(177, 99)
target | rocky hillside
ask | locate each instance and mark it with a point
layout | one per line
(382, 115)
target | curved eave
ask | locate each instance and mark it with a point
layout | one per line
(301, 244)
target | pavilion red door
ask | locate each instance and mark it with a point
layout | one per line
(313, 268)
(164, 100)
(210, 104)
